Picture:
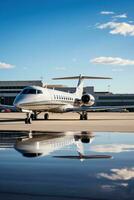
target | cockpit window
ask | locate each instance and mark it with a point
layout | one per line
(31, 91)
(39, 92)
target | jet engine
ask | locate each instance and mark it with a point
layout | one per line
(88, 99)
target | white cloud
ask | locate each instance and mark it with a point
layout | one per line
(118, 174)
(6, 66)
(124, 15)
(113, 148)
(112, 61)
(121, 28)
(106, 13)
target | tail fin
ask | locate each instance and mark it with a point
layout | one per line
(79, 88)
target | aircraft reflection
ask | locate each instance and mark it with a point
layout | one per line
(43, 144)
(79, 141)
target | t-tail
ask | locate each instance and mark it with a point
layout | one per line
(79, 88)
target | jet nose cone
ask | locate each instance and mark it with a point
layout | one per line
(17, 101)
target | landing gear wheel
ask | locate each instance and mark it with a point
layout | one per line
(81, 117)
(85, 116)
(46, 116)
(33, 116)
(28, 121)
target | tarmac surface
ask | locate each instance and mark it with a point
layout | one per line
(104, 121)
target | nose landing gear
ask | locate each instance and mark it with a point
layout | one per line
(28, 119)
(33, 116)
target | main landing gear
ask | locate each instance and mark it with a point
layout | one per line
(34, 116)
(83, 116)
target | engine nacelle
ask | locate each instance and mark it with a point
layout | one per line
(88, 99)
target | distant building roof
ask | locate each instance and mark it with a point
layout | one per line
(21, 83)
(103, 93)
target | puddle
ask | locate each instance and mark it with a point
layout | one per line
(66, 165)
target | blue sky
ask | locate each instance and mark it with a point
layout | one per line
(50, 38)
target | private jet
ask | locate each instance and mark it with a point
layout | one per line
(33, 100)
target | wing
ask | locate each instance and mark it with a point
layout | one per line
(97, 108)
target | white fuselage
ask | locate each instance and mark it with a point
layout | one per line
(35, 98)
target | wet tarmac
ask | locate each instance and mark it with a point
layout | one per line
(66, 165)
(104, 121)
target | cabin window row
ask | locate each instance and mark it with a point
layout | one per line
(63, 98)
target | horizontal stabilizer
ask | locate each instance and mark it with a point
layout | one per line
(80, 77)
(85, 157)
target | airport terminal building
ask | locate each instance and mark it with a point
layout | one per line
(110, 99)
(9, 90)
